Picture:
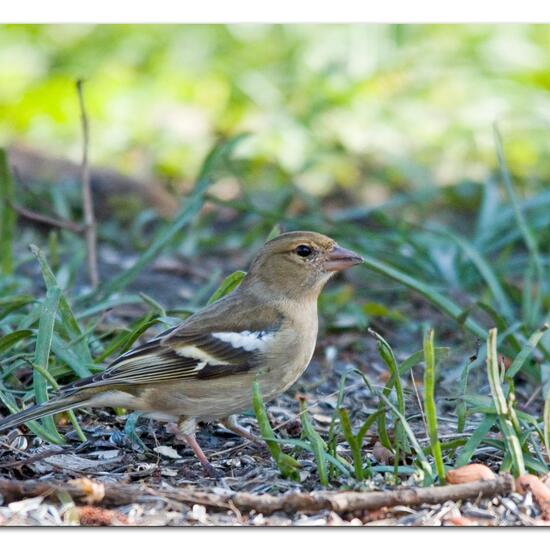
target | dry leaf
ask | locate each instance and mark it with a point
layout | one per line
(382, 455)
(541, 493)
(94, 516)
(469, 473)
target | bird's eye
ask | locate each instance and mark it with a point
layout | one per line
(303, 250)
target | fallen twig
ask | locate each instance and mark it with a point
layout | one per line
(46, 220)
(337, 501)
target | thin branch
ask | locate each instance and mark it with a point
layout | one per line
(90, 227)
(116, 494)
(46, 220)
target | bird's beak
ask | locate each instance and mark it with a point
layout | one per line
(340, 258)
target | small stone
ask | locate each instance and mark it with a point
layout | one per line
(169, 452)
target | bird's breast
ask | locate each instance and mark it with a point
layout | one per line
(289, 355)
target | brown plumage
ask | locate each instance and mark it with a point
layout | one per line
(203, 369)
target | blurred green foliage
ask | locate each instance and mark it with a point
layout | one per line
(371, 108)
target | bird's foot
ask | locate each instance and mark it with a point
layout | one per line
(190, 439)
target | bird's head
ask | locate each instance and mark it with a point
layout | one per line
(300, 262)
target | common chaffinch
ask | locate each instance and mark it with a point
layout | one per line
(203, 369)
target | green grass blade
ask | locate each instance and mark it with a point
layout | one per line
(338, 462)
(429, 404)
(13, 303)
(425, 465)
(501, 231)
(33, 425)
(185, 216)
(528, 235)
(418, 356)
(108, 303)
(536, 466)
(526, 351)
(228, 285)
(42, 353)
(353, 443)
(130, 431)
(155, 306)
(9, 340)
(501, 405)
(44, 339)
(287, 465)
(68, 357)
(475, 440)
(386, 352)
(441, 302)
(190, 208)
(488, 211)
(488, 274)
(70, 324)
(370, 420)
(547, 423)
(263, 422)
(7, 216)
(47, 376)
(125, 340)
(332, 430)
(318, 446)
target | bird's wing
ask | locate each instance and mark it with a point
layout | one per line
(192, 350)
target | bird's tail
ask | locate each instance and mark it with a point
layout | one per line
(54, 406)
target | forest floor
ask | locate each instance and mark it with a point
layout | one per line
(131, 471)
(154, 462)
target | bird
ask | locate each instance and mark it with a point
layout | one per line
(203, 369)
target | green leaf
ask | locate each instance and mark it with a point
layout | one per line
(11, 339)
(42, 353)
(130, 431)
(288, 466)
(487, 272)
(9, 402)
(228, 285)
(7, 216)
(318, 446)
(11, 303)
(501, 405)
(528, 235)
(386, 352)
(275, 232)
(353, 443)
(408, 431)
(69, 322)
(526, 352)
(475, 439)
(429, 404)
(426, 290)
(338, 462)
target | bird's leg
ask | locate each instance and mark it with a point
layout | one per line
(232, 425)
(185, 431)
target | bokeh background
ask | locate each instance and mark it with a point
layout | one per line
(372, 109)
